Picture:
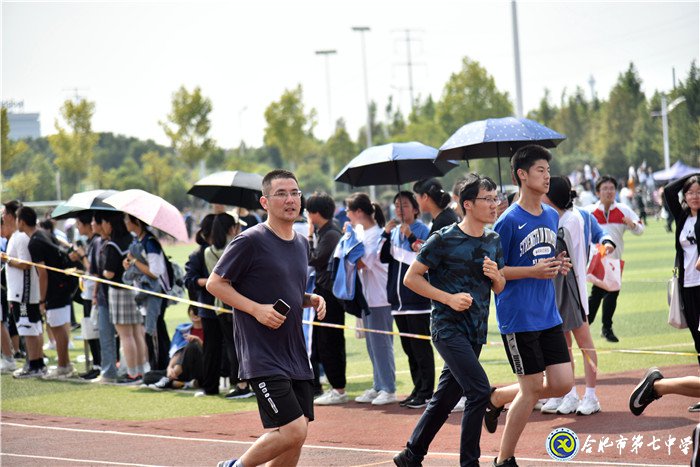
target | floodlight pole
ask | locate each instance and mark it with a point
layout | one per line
(326, 55)
(516, 54)
(362, 30)
(665, 110)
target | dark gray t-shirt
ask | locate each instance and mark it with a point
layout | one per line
(263, 267)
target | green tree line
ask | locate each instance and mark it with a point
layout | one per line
(611, 133)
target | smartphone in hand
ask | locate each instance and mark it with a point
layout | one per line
(281, 307)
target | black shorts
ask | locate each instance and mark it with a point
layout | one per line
(531, 352)
(282, 400)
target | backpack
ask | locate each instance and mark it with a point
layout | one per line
(176, 278)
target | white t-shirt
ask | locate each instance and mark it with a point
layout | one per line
(18, 247)
(690, 252)
(374, 275)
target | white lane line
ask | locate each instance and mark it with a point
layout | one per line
(69, 459)
(311, 446)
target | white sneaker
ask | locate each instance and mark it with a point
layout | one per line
(551, 405)
(588, 406)
(7, 365)
(367, 396)
(60, 372)
(384, 398)
(460, 405)
(539, 404)
(331, 397)
(50, 346)
(568, 405)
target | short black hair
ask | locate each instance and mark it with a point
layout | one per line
(84, 217)
(116, 220)
(321, 203)
(525, 157)
(605, 179)
(27, 215)
(560, 193)
(411, 198)
(11, 207)
(469, 188)
(274, 175)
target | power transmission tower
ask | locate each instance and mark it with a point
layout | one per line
(409, 61)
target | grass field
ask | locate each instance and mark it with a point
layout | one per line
(640, 323)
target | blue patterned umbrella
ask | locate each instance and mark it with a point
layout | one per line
(497, 137)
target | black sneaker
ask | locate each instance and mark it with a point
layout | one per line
(417, 403)
(92, 374)
(240, 393)
(491, 416)
(510, 462)
(407, 400)
(609, 335)
(644, 393)
(404, 459)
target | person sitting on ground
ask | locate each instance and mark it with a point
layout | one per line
(186, 365)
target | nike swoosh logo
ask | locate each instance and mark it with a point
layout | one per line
(635, 402)
(521, 226)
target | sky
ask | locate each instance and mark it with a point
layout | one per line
(130, 57)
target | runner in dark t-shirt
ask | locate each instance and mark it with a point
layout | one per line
(265, 264)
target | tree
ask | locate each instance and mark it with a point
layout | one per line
(157, 170)
(10, 150)
(74, 146)
(188, 126)
(470, 95)
(289, 127)
(619, 116)
(545, 113)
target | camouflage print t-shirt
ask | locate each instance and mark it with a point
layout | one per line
(455, 261)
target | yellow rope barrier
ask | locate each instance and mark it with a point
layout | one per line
(76, 273)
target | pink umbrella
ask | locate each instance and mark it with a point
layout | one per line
(151, 209)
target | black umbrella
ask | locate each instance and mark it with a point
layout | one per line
(394, 164)
(497, 137)
(79, 203)
(232, 188)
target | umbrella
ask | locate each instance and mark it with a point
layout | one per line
(676, 171)
(394, 163)
(92, 200)
(497, 137)
(233, 188)
(151, 209)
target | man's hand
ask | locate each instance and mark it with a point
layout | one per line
(565, 263)
(459, 301)
(267, 316)
(490, 269)
(319, 304)
(546, 268)
(629, 222)
(609, 248)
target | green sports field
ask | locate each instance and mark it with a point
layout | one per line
(640, 323)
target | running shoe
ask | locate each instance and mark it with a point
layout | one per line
(644, 393)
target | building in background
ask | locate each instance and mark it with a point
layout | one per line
(22, 125)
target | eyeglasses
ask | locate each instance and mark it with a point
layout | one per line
(692, 193)
(494, 201)
(284, 194)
